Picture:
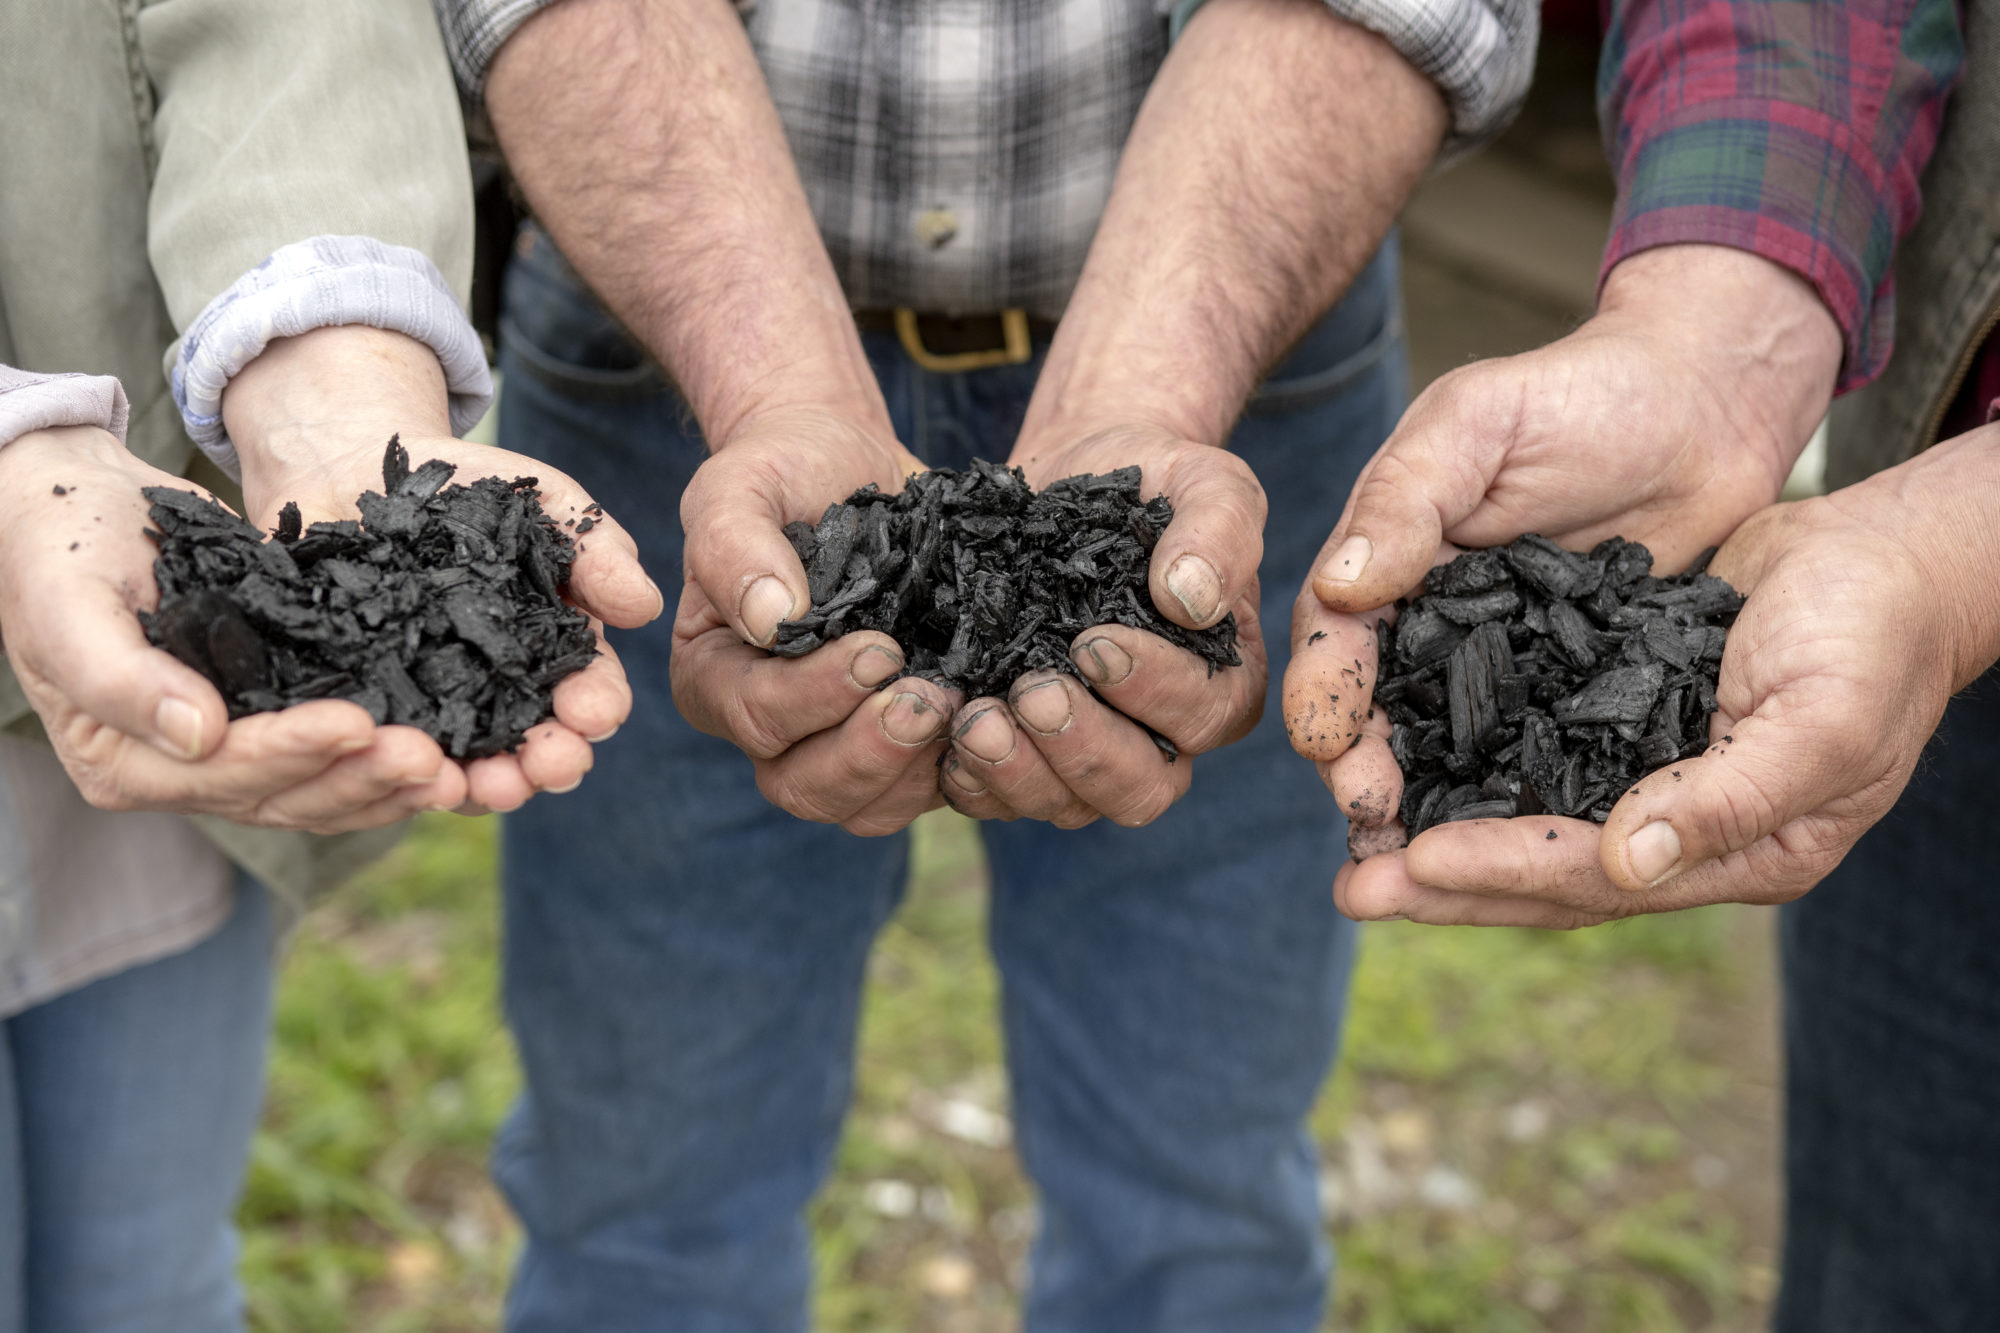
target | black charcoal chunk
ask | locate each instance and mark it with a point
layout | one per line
(1529, 679)
(980, 579)
(441, 609)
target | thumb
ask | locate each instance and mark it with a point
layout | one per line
(93, 660)
(737, 550)
(1765, 771)
(1208, 555)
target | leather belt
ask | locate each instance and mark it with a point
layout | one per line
(950, 343)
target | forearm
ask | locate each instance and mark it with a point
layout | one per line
(644, 138)
(1268, 161)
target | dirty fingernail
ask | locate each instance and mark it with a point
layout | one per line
(875, 664)
(963, 781)
(178, 723)
(1345, 565)
(766, 603)
(1193, 581)
(911, 720)
(1045, 707)
(1102, 662)
(987, 735)
(1653, 852)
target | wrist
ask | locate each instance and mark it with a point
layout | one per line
(1942, 501)
(326, 393)
(1756, 331)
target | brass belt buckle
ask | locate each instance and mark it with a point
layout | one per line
(1013, 326)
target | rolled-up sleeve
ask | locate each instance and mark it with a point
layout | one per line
(474, 32)
(1794, 129)
(311, 171)
(1479, 53)
(29, 402)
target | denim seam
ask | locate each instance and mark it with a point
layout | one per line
(1283, 395)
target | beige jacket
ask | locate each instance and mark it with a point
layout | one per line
(153, 152)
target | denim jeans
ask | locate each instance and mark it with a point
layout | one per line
(1892, 1038)
(126, 1112)
(684, 962)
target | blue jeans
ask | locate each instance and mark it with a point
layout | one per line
(1892, 1038)
(126, 1111)
(684, 962)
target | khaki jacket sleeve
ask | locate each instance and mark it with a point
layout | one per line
(278, 121)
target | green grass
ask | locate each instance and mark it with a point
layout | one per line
(1508, 1143)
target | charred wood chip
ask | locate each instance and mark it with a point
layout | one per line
(1529, 679)
(980, 579)
(441, 609)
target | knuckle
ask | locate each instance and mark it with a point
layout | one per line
(802, 799)
(749, 729)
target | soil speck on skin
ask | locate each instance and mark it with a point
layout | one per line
(1364, 841)
(1315, 637)
(62, 490)
(74, 545)
(1552, 835)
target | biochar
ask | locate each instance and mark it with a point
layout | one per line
(441, 608)
(981, 579)
(1527, 679)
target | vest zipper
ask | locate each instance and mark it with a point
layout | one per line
(1957, 380)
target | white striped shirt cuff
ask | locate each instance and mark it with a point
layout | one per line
(315, 284)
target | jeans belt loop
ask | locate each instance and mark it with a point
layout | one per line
(1013, 326)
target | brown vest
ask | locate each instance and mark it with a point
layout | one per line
(1947, 277)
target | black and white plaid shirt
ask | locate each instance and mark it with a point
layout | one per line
(958, 153)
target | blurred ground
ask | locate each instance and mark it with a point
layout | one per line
(1563, 1132)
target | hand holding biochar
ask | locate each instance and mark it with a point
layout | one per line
(981, 579)
(440, 609)
(1529, 679)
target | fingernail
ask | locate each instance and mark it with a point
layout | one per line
(564, 791)
(657, 594)
(987, 735)
(910, 720)
(603, 737)
(1653, 852)
(766, 603)
(875, 664)
(178, 723)
(1193, 582)
(1045, 707)
(956, 775)
(1345, 565)
(1102, 662)
(1393, 916)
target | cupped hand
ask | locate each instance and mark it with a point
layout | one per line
(1867, 609)
(311, 418)
(606, 583)
(1668, 418)
(1055, 750)
(134, 727)
(837, 736)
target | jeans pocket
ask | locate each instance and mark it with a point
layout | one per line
(558, 332)
(1348, 342)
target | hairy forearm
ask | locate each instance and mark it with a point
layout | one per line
(1266, 165)
(643, 137)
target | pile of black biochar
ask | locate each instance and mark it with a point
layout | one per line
(440, 609)
(981, 579)
(1529, 679)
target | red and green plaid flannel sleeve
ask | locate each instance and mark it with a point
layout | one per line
(1795, 129)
